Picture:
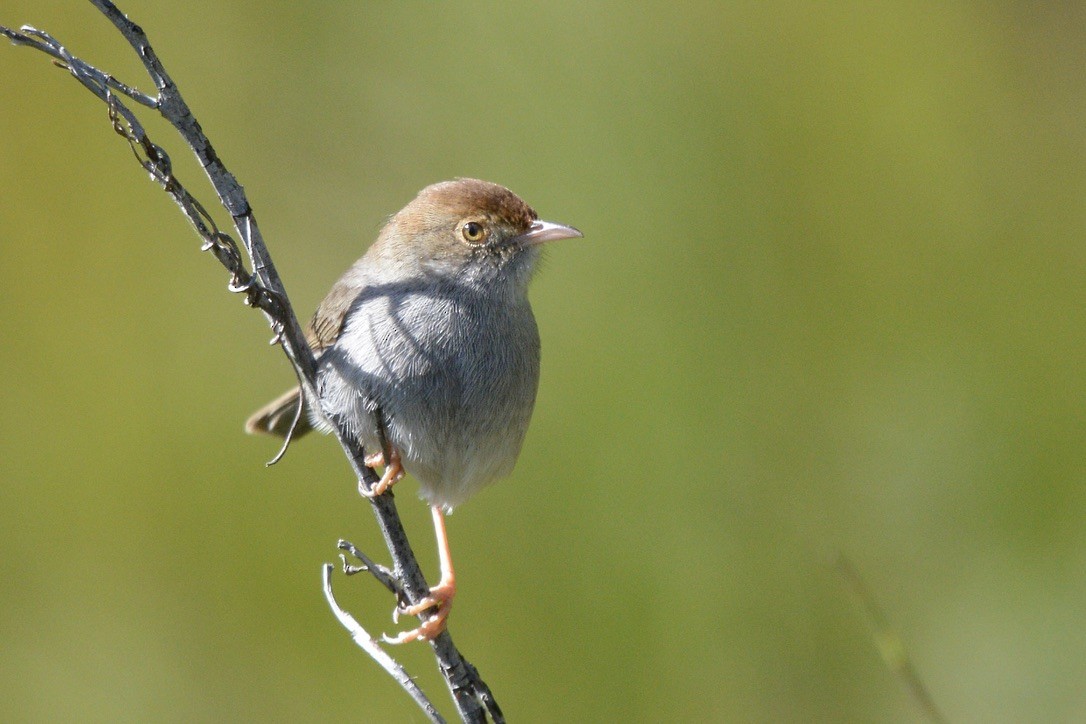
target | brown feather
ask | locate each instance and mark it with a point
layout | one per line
(276, 417)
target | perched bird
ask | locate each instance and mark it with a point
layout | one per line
(428, 353)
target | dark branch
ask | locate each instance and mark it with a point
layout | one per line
(262, 289)
(384, 576)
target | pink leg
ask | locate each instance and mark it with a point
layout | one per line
(441, 595)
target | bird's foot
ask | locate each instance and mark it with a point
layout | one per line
(440, 599)
(393, 473)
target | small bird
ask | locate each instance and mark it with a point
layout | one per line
(428, 354)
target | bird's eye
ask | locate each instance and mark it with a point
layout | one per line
(473, 232)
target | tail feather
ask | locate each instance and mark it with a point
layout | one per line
(276, 417)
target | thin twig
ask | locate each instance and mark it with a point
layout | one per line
(372, 647)
(383, 575)
(262, 289)
(889, 642)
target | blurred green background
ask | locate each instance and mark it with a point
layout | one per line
(830, 301)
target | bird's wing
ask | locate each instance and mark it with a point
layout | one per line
(324, 328)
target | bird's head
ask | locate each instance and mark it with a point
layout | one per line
(469, 231)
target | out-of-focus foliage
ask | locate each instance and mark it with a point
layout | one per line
(830, 300)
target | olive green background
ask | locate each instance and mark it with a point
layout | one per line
(830, 301)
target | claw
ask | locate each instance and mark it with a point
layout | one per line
(440, 597)
(394, 472)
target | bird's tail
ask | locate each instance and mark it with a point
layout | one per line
(276, 417)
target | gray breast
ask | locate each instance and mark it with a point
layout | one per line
(453, 373)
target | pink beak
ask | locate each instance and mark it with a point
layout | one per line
(541, 232)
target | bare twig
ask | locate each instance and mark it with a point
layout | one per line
(262, 289)
(889, 643)
(383, 575)
(373, 648)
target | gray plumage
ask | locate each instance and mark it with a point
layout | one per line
(431, 333)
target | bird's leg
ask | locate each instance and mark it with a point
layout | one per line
(392, 475)
(387, 456)
(440, 596)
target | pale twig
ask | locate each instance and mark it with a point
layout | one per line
(889, 642)
(372, 647)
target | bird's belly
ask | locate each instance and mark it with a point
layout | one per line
(454, 463)
(454, 404)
